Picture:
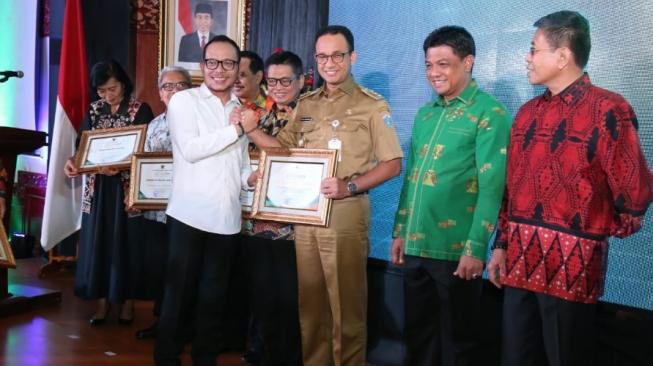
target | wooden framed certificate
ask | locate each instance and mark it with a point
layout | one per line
(111, 148)
(247, 196)
(289, 190)
(6, 255)
(150, 182)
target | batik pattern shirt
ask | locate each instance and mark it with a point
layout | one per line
(157, 140)
(454, 181)
(576, 175)
(130, 112)
(271, 124)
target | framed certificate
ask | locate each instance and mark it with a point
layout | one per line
(151, 180)
(247, 196)
(111, 148)
(6, 255)
(289, 190)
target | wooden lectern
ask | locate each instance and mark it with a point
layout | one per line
(14, 141)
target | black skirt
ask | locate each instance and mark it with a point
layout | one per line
(109, 264)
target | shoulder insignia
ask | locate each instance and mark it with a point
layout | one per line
(371, 93)
(308, 94)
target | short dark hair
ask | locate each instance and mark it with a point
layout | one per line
(204, 8)
(458, 38)
(255, 61)
(570, 29)
(337, 29)
(286, 58)
(224, 39)
(102, 71)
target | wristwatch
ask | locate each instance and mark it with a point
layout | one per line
(352, 187)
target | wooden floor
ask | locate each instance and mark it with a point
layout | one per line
(59, 334)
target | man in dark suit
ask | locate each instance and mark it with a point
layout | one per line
(191, 45)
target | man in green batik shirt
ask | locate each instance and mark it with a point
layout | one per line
(449, 205)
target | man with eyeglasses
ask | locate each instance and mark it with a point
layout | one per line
(192, 44)
(332, 261)
(269, 245)
(210, 165)
(155, 247)
(449, 204)
(576, 175)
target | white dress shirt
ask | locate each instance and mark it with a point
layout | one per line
(210, 162)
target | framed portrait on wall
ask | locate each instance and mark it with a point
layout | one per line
(186, 25)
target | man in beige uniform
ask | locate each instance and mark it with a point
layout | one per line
(332, 261)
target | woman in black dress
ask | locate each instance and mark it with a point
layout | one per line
(108, 267)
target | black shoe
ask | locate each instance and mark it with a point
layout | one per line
(147, 333)
(251, 357)
(99, 321)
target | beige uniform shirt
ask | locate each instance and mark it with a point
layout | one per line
(358, 117)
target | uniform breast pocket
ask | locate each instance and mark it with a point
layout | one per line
(307, 134)
(355, 138)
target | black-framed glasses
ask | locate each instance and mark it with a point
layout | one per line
(337, 57)
(226, 64)
(182, 85)
(534, 50)
(282, 81)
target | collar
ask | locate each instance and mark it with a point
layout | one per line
(465, 97)
(573, 92)
(275, 108)
(206, 93)
(346, 87)
(122, 107)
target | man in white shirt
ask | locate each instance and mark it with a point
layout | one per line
(211, 164)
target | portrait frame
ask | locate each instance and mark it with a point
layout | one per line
(136, 199)
(7, 259)
(246, 196)
(84, 165)
(171, 30)
(289, 189)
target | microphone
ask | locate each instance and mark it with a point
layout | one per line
(9, 74)
(5, 75)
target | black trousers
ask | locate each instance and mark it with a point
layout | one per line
(155, 260)
(273, 298)
(539, 329)
(442, 314)
(199, 267)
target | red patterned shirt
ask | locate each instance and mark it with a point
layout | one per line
(576, 175)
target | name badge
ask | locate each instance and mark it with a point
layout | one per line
(336, 144)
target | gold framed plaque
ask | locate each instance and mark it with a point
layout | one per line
(247, 196)
(7, 259)
(289, 190)
(109, 148)
(150, 182)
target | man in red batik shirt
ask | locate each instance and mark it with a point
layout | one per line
(576, 175)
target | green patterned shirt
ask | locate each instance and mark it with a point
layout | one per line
(455, 176)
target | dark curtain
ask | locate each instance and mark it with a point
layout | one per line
(107, 28)
(287, 24)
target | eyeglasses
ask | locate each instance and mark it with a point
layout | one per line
(282, 81)
(213, 64)
(337, 57)
(534, 50)
(182, 85)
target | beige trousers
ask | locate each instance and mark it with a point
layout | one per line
(332, 274)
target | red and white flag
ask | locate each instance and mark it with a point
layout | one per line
(63, 199)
